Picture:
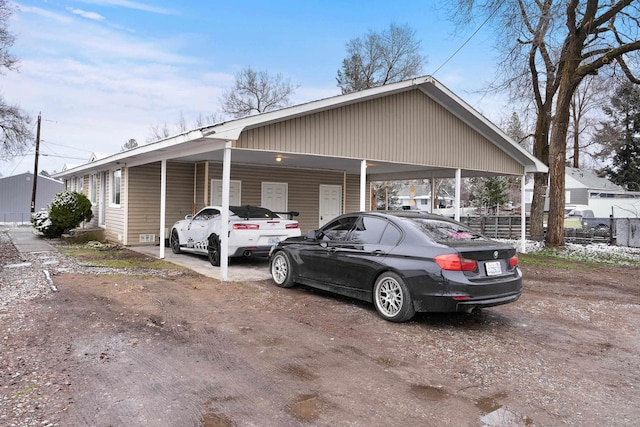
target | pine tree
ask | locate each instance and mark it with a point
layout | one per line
(624, 131)
(491, 192)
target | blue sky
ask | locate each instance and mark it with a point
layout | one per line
(104, 71)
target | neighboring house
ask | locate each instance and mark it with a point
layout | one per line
(586, 188)
(16, 192)
(316, 158)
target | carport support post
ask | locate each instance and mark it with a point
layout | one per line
(363, 185)
(523, 217)
(457, 195)
(224, 226)
(163, 204)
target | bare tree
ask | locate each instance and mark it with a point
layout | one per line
(158, 132)
(586, 103)
(597, 35)
(15, 132)
(380, 58)
(202, 121)
(256, 92)
(552, 46)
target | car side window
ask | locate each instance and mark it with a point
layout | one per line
(339, 228)
(391, 236)
(206, 214)
(368, 230)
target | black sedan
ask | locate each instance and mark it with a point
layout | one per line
(402, 261)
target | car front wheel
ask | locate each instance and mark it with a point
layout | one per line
(213, 250)
(391, 298)
(174, 241)
(281, 270)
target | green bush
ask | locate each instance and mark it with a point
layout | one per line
(67, 211)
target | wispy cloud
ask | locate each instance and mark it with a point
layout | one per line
(132, 5)
(88, 15)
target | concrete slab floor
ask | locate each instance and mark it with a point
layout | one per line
(240, 269)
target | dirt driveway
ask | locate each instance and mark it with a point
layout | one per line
(179, 349)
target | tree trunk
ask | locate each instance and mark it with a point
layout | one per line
(540, 182)
(557, 159)
(537, 205)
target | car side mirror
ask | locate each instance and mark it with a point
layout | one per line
(188, 217)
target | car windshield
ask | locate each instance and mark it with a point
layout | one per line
(252, 212)
(444, 231)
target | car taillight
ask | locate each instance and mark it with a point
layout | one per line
(246, 226)
(455, 262)
(513, 261)
(292, 225)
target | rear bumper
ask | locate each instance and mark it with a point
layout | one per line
(460, 295)
(259, 251)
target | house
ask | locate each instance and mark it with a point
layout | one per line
(586, 187)
(16, 192)
(317, 158)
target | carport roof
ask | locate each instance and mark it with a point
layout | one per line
(206, 143)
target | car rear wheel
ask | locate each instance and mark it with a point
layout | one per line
(174, 242)
(281, 270)
(213, 250)
(391, 298)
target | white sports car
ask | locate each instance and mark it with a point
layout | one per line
(253, 230)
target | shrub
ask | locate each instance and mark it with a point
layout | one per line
(67, 211)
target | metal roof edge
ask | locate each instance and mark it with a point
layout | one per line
(516, 151)
(140, 150)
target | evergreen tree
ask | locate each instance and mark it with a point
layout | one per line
(491, 192)
(623, 134)
(129, 145)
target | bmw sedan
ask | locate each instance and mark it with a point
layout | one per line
(253, 230)
(403, 262)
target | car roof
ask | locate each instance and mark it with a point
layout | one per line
(410, 214)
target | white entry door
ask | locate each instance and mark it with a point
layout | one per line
(275, 196)
(216, 193)
(330, 203)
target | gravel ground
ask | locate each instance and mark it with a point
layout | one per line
(120, 348)
(23, 279)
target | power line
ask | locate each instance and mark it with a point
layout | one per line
(468, 39)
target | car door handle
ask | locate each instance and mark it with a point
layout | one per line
(331, 250)
(378, 252)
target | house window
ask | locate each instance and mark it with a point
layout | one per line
(115, 187)
(93, 186)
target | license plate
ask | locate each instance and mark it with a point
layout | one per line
(274, 240)
(493, 268)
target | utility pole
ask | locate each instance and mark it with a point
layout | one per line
(35, 168)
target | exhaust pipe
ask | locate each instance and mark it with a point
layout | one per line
(247, 253)
(474, 311)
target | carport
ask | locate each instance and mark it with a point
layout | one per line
(416, 129)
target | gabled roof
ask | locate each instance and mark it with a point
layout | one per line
(588, 178)
(29, 174)
(98, 156)
(214, 137)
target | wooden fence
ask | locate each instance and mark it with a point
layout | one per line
(497, 227)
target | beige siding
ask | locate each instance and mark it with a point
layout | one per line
(179, 192)
(144, 198)
(144, 202)
(202, 187)
(303, 185)
(408, 128)
(352, 201)
(115, 229)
